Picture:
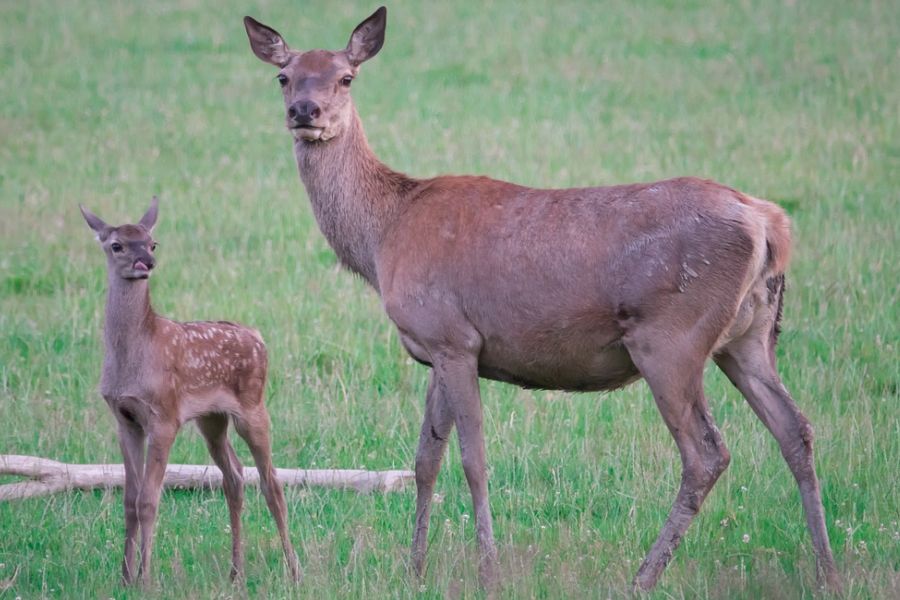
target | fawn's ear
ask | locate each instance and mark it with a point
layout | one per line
(148, 221)
(266, 43)
(96, 223)
(368, 38)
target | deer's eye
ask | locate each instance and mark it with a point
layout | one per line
(282, 79)
(153, 247)
(346, 80)
(116, 247)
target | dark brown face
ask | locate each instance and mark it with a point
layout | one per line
(316, 84)
(129, 248)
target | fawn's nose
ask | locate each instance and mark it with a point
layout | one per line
(144, 263)
(304, 112)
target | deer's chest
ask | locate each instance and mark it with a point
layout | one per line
(132, 375)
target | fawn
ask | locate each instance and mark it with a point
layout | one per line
(159, 374)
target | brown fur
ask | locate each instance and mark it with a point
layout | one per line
(575, 289)
(159, 374)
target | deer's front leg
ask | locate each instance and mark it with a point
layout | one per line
(131, 442)
(457, 381)
(158, 446)
(436, 427)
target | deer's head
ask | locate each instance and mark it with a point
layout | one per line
(316, 84)
(129, 248)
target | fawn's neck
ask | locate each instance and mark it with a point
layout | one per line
(354, 196)
(129, 318)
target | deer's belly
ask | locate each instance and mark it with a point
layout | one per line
(558, 369)
(562, 367)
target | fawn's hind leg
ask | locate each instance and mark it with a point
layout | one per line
(253, 426)
(215, 430)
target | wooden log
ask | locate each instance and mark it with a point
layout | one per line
(49, 477)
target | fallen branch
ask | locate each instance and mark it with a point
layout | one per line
(49, 477)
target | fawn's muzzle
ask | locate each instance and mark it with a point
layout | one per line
(144, 264)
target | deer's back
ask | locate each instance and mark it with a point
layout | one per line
(217, 353)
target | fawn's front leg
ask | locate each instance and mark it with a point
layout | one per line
(159, 444)
(131, 442)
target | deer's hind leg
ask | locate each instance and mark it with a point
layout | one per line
(253, 426)
(214, 428)
(669, 344)
(675, 375)
(749, 362)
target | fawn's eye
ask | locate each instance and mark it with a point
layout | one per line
(116, 247)
(153, 247)
(282, 79)
(346, 80)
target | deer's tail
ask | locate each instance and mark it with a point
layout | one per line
(778, 254)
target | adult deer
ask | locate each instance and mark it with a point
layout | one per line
(159, 374)
(576, 289)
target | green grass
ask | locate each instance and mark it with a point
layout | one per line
(107, 103)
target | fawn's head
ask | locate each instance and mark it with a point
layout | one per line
(129, 248)
(316, 84)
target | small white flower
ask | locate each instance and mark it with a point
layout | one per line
(746, 538)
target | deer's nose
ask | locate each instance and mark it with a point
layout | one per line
(144, 263)
(303, 112)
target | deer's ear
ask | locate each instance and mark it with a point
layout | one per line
(266, 43)
(96, 223)
(148, 221)
(368, 38)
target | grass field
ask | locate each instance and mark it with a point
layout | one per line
(107, 103)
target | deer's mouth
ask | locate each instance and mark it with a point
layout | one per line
(140, 270)
(308, 132)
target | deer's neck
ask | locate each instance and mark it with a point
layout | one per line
(354, 196)
(129, 322)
